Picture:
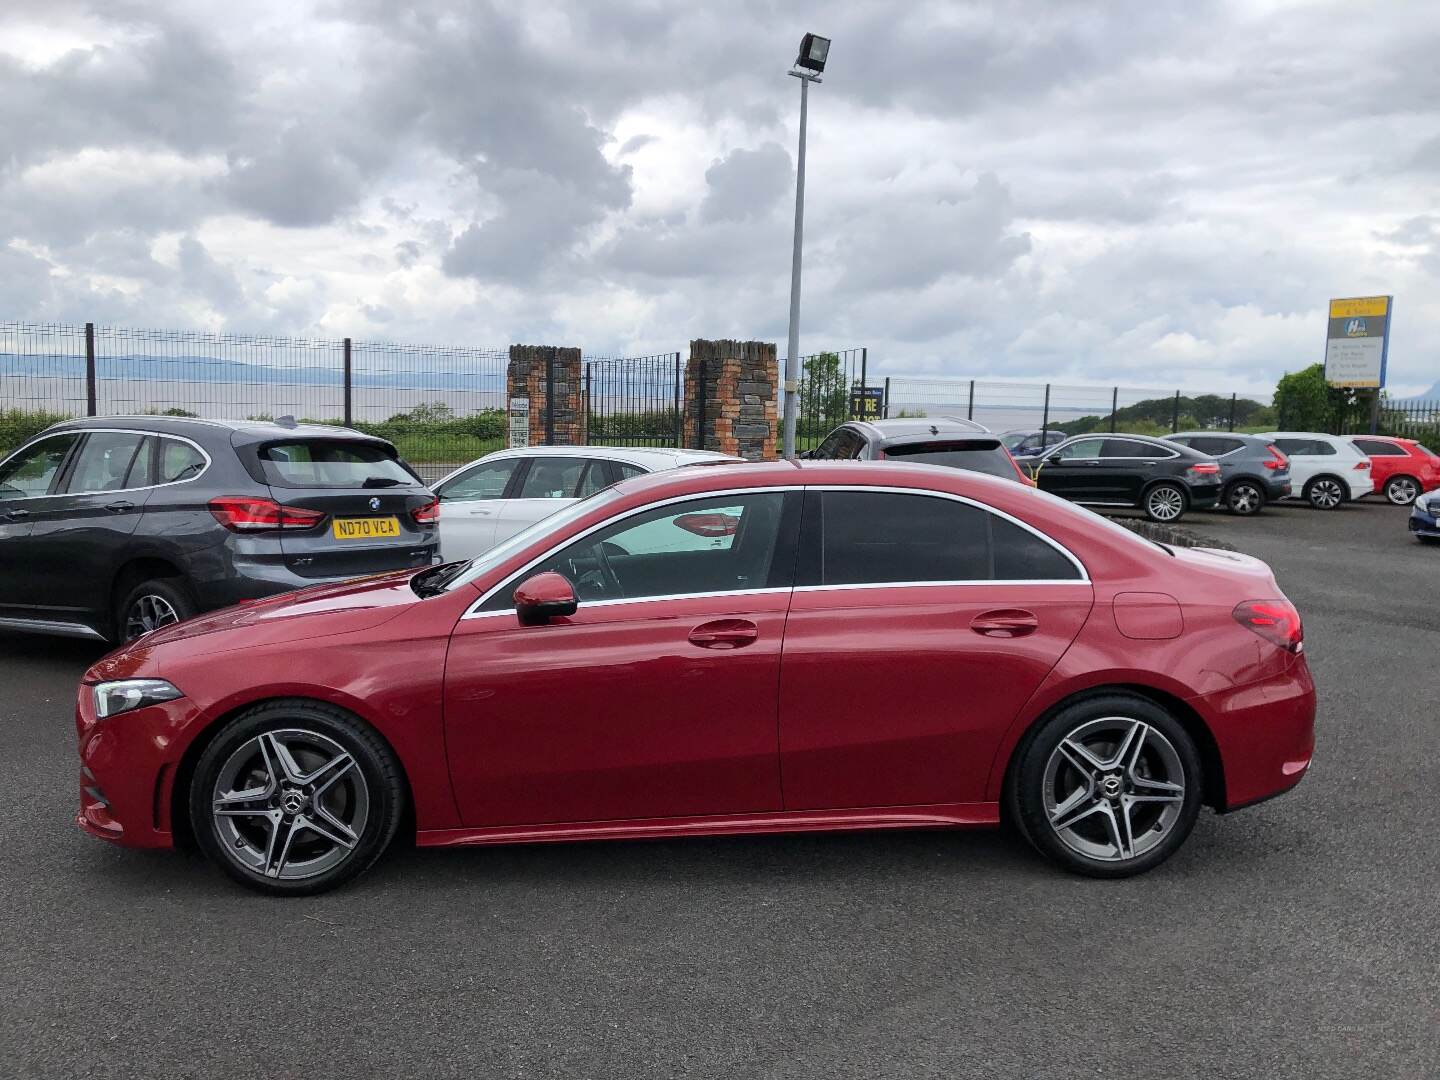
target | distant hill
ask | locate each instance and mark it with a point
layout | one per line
(1433, 394)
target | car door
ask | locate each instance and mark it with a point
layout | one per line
(27, 478)
(1126, 467)
(920, 626)
(657, 698)
(470, 503)
(1068, 470)
(547, 484)
(78, 534)
(1305, 461)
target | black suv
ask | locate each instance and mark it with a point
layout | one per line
(940, 440)
(1161, 478)
(1252, 470)
(112, 526)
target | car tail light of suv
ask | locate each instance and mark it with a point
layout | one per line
(1362, 466)
(240, 513)
(427, 514)
(1202, 473)
(1276, 621)
(1277, 460)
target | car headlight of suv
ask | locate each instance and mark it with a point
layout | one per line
(1432, 507)
(123, 695)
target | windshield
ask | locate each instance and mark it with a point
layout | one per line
(1014, 439)
(487, 561)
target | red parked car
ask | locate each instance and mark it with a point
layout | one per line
(1402, 469)
(857, 646)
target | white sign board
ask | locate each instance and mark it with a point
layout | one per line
(519, 423)
(1357, 342)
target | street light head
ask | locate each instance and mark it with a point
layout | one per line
(813, 51)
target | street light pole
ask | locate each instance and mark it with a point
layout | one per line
(792, 354)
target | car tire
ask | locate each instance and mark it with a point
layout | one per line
(1402, 490)
(151, 605)
(296, 797)
(1165, 502)
(1244, 498)
(1326, 493)
(1093, 767)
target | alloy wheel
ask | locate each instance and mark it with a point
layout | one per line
(1326, 494)
(148, 612)
(290, 804)
(1165, 503)
(1402, 491)
(1244, 498)
(1114, 788)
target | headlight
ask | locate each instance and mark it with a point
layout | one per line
(1432, 507)
(126, 694)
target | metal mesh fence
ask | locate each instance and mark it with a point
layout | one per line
(828, 381)
(42, 368)
(1007, 406)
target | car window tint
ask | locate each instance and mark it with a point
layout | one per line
(1195, 441)
(31, 471)
(178, 461)
(627, 470)
(104, 461)
(1215, 445)
(142, 469)
(1129, 448)
(716, 544)
(851, 444)
(1020, 555)
(1323, 449)
(1301, 447)
(826, 449)
(597, 476)
(1080, 448)
(484, 481)
(976, 455)
(552, 478)
(1375, 448)
(332, 463)
(874, 537)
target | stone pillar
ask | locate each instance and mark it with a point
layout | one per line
(536, 370)
(730, 402)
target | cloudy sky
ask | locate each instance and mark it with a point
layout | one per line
(1157, 193)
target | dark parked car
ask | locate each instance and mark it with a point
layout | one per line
(1024, 442)
(938, 440)
(1253, 471)
(113, 526)
(1161, 478)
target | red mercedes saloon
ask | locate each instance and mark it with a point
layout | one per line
(734, 649)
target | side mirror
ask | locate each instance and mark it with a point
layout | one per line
(544, 597)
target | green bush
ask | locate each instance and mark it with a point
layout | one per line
(17, 426)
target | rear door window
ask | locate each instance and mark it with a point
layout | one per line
(487, 480)
(1130, 448)
(1303, 447)
(1215, 445)
(597, 476)
(627, 470)
(1080, 448)
(33, 470)
(1376, 448)
(553, 478)
(105, 461)
(331, 463)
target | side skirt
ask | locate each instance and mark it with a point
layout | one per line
(940, 816)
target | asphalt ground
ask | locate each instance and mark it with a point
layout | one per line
(1300, 938)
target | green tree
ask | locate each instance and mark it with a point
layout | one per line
(1305, 402)
(824, 390)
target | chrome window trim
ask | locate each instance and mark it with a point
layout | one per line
(474, 612)
(115, 431)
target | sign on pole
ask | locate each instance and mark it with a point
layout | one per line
(519, 423)
(1357, 344)
(865, 402)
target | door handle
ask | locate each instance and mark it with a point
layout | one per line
(119, 507)
(724, 634)
(1092, 464)
(1007, 623)
(482, 511)
(16, 515)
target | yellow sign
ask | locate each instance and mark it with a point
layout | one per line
(1360, 307)
(365, 528)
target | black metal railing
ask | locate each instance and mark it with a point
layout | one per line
(830, 393)
(634, 401)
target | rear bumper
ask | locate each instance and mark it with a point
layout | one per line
(1277, 489)
(253, 576)
(1265, 733)
(1204, 496)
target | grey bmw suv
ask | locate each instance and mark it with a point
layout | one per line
(112, 526)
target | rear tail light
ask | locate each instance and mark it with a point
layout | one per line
(1276, 461)
(1206, 470)
(427, 514)
(239, 513)
(1362, 466)
(1276, 621)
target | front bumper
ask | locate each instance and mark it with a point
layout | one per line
(1423, 522)
(1265, 733)
(127, 770)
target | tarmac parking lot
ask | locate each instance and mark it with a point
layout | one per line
(1300, 938)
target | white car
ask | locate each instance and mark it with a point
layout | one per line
(493, 498)
(1326, 471)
